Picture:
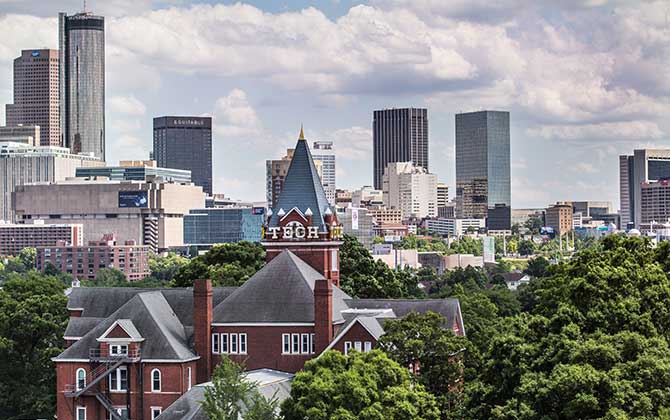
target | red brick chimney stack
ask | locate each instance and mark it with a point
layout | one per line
(323, 314)
(202, 322)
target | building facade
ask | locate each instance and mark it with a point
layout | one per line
(367, 197)
(358, 223)
(559, 217)
(147, 212)
(136, 171)
(185, 143)
(206, 227)
(454, 227)
(15, 237)
(644, 166)
(442, 194)
(275, 173)
(26, 134)
(483, 177)
(81, 42)
(36, 95)
(84, 262)
(23, 164)
(655, 202)
(399, 135)
(325, 155)
(383, 215)
(411, 189)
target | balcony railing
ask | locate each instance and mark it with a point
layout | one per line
(95, 354)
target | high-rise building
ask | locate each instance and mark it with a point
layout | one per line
(559, 217)
(367, 197)
(442, 194)
(22, 163)
(323, 153)
(399, 135)
(482, 162)
(36, 94)
(411, 189)
(644, 166)
(206, 227)
(655, 202)
(81, 39)
(185, 143)
(275, 174)
(26, 134)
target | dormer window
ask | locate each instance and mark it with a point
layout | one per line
(118, 349)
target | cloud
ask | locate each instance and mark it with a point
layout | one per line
(353, 143)
(127, 105)
(234, 117)
(611, 132)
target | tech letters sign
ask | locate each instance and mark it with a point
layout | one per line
(299, 232)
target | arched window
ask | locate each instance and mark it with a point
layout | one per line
(81, 378)
(155, 380)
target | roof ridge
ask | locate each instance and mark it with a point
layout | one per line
(158, 325)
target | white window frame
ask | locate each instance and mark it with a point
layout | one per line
(216, 348)
(286, 344)
(295, 343)
(188, 375)
(311, 343)
(304, 343)
(367, 346)
(242, 344)
(233, 344)
(76, 375)
(117, 349)
(358, 346)
(225, 346)
(79, 410)
(119, 411)
(115, 385)
(160, 380)
(347, 347)
(155, 412)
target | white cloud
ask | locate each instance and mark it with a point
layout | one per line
(614, 131)
(234, 117)
(354, 143)
(127, 105)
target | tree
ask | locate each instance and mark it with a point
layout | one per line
(537, 267)
(163, 269)
(33, 317)
(425, 338)
(526, 247)
(359, 386)
(24, 261)
(534, 224)
(229, 392)
(110, 277)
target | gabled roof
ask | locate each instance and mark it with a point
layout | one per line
(281, 292)
(127, 326)
(153, 319)
(302, 188)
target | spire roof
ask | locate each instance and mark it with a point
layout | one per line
(302, 187)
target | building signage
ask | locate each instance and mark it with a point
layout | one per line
(35, 53)
(299, 232)
(133, 199)
(188, 122)
(257, 210)
(354, 219)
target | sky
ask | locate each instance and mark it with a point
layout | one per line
(584, 80)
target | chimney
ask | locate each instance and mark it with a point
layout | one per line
(323, 314)
(202, 322)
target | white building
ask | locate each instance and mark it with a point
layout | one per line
(454, 227)
(22, 163)
(367, 196)
(411, 189)
(322, 152)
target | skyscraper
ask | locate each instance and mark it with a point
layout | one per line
(411, 189)
(482, 163)
(645, 165)
(36, 94)
(323, 152)
(185, 143)
(81, 40)
(399, 135)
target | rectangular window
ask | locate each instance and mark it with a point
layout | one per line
(347, 347)
(224, 343)
(215, 344)
(333, 260)
(118, 350)
(358, 346)
(311, 343)
(123, 412)
(155, 412)
(305, 343)
(296, 344)
(243, 343)
(367, 347)
(81, 413)
(233, 343)
(118, 379)
(286, 343)
(188, 378)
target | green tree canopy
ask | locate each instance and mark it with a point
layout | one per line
(163, 269)
(365, 386)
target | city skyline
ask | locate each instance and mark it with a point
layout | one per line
(578, 98)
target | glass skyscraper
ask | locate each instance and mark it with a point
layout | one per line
(399, 135)
(185, 143)
(82, 82)
(483, 166)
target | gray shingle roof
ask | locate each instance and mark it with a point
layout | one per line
(282, 291)
(78, 326)
(302, 188)
(153, 318)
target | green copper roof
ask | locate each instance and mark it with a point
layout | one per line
(302, 188)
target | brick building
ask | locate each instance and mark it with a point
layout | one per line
(14, 237)
(84, 262)
(137, 351)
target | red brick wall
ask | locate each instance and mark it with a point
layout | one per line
(317, 256)
(264, 348)
(356, 333)
(117, 332)
(202, 321)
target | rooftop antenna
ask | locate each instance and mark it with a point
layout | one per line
(84, 10)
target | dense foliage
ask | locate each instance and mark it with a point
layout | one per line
(365, 386)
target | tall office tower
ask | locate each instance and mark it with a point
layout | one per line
(185, 143)
(36, 94)
(323, 152)
(645, 165)
(482, 164)
(399, 135)
(411, 189)
(81, 39)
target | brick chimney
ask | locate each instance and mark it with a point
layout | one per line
(323, 314)
(202, 322)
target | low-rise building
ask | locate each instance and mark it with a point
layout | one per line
(447, 211)
(367, 197)
(27, 134)
(134, 170)
(399, 258)
(84, 262)
(454, 227)
(357, 222)
(383, 216)
(206, 227)
(15, 237)
(454, 261)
